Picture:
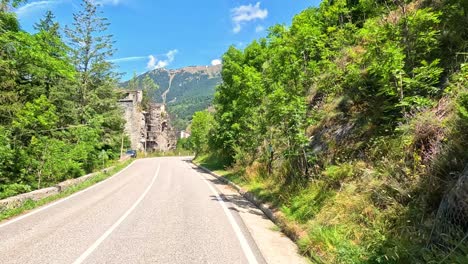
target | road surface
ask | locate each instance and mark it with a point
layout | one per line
(159, 210)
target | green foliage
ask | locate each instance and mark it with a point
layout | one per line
(463, 105)
(335, 237)
(56, 117)
(184, 144)
(202, 124)
(462, 101)
(149, 87)
(339, 173)
(307, 203)
(366, 100)
(13, 189)
(134, 83)
(6, 154)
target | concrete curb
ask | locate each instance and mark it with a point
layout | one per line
(19, 200)
(292, 231)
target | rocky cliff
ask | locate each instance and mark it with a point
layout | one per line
(150, 130)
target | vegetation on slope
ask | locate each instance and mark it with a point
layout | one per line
(59, 116)
(354, 122)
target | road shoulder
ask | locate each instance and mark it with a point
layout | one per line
(275, 246)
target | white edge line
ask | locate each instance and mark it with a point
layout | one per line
(109, 231)
(240, 236)
(63, 199)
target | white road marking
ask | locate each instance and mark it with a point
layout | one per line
(109, 231)
(61, 200)
(240, 236)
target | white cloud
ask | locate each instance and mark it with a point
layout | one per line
(151, 63)
(259, 29)
(108, 2)
(36, 6)
(155, 63)
(216, 62)
(171, 54)
(126, 59)
(245, 13)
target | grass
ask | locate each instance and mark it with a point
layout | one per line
(333, 223)
(213, 163)
(30, 204)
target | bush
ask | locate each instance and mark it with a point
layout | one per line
(13, 189)
(308, 202)
(339, 172)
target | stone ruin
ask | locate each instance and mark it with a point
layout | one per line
(149, 130)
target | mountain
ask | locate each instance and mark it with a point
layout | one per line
(185, 90)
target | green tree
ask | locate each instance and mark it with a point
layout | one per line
(134, 83)
(29, 67)
(202, 123)
(96, 96)
(51, 43)
(48, 24)
(149, 88)
(91, 48)
(6, 155)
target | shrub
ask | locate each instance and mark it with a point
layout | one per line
(304, 205)
(339, 172)
(13, 189)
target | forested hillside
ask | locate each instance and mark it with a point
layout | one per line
(58, 106)
(184, 90)
(354, 122)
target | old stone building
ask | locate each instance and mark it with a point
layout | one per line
(149, 130)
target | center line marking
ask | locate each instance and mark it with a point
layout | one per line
(109, 231)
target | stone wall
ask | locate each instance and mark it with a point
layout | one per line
(19, 200)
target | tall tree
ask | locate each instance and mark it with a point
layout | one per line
(50, 40)
(149, 87)
(91, 47)
(202, 124)
(48, 24)
(97, 97)
(134, 83)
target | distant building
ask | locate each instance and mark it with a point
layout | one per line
(184, 134)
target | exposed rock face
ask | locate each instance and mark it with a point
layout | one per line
(147, 130)
(160, 135)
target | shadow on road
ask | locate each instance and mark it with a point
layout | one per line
(240, 202)
(236, 199)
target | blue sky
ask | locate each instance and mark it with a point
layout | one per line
(177, 33)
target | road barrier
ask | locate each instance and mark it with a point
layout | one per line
(19, 200)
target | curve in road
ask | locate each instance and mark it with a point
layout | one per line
(157, 210)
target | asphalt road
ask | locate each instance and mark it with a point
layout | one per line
(155, 211)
